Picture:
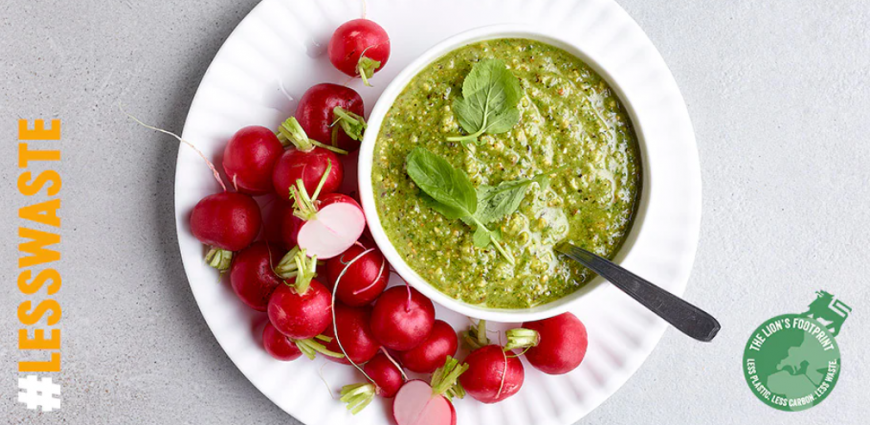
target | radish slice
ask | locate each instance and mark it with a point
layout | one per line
(415, 404)
(335, 228)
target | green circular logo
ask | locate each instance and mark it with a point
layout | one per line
(791, 362)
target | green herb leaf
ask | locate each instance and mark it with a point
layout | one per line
(490, 94)
(449, 192)
(443, 183)
(495, 202)
(482, 237)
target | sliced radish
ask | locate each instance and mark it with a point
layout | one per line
(332, 230)
(418, 403)
(415, 404)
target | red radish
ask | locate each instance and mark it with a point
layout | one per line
(252, 277)
(431, 353)
(387, 375)
(311, 161)
(363, 274)
(308, 167)
(359, 48)
(332, 114)
(227, 222)
(250, 157)
(286, 349)
(330, 228)
(492, 374)
(278, 345)
(304, 309)
(555, 346)
(418, 403)
(354, 337)
(402, 318)
(386, 378)
(341, 225)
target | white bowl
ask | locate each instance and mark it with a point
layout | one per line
(383, 105)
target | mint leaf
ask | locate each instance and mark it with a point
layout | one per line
(449, 192)
(443, 183)
(490, 94)
(495, 202)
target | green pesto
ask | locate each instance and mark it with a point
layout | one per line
(571, 125)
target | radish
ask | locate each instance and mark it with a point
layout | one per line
(312, 162)
(419, 403)
(431, 353)
(386, 378)
(402, 318)
(329, 227)
(352, 334)
(303, 309)
(250, 157)
(492, 374)
(359, 48)
(332, 114)
(285, 349)
(226, 222)
(278, 345)
(555, 346)
(363, 273)
(252, 277)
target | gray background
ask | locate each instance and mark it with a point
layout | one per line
(778, 94)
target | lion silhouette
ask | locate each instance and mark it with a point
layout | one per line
(830, 312)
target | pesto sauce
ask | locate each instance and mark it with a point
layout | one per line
(569, 118)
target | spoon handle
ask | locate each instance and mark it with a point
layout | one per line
(689, 319)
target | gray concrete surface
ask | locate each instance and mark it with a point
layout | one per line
(778, 93)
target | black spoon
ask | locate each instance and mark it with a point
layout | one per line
(689, 319)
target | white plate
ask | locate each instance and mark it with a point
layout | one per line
(277, 51)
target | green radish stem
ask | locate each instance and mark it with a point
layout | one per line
(304, 206)
(291, 132)
(310, 347)
(444, 379)
(287, 267)
(305, 269)
(366, 67)
(352, 124)
(357, 396)
(475, 337)
(521, 338)
(220, 259)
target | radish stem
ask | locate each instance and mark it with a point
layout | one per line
(444, 379)
(357, 396)
(220, 259)
(352, 124)
(322, 180)
(310, 347)
(475, 337)
(306, 269)
(286, 267)
(291, 132)
(521, 338)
